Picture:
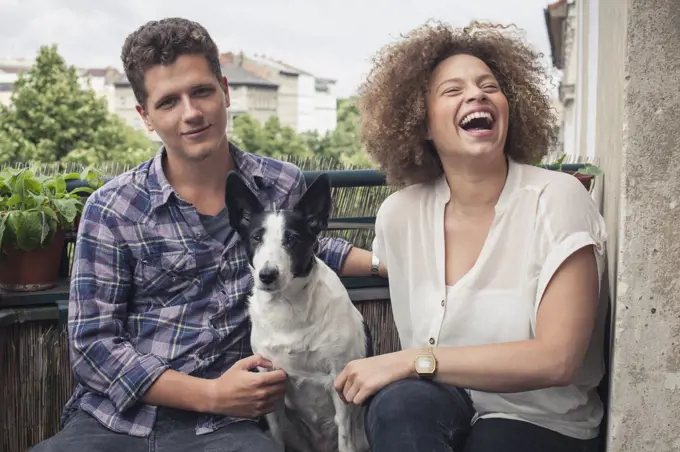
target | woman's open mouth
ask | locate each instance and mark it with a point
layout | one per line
(479, 124)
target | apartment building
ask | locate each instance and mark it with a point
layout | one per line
(99, 79)
(305, 102)
(572, 37)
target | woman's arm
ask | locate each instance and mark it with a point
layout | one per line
(565, 321)
(564, 324)
(359, 263)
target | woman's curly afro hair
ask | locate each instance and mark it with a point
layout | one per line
(392, 99)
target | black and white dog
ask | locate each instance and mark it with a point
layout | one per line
(303, 320)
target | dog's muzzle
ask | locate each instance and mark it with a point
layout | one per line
(268, 275)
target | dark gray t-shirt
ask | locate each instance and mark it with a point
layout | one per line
(217, 225)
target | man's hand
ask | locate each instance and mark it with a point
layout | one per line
(242, 393)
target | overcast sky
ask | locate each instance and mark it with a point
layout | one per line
(330, 38)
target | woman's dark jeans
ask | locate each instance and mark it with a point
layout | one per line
(418, 415)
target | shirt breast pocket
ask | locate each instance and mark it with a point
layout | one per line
(168, 278)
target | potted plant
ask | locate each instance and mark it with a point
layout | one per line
(36, 211)
(585, 174)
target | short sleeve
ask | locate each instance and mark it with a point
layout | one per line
(378, 245)
(568, 221)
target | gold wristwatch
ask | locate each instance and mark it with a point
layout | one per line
(425, 364)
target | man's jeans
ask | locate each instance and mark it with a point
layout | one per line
(174, 432)
(418, 415)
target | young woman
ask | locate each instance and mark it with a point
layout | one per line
(494, 264)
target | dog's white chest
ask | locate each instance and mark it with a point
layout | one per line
(292, 352)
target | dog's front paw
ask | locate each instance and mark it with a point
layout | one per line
(345, 444)
(362, 444)
(278, 442)
(353, 442)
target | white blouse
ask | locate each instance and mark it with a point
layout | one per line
(542, 217)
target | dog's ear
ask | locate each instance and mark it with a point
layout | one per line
(315, 204)
(241, 203)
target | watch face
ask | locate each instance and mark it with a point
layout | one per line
(425, 364)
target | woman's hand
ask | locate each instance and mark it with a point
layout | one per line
(362, 378)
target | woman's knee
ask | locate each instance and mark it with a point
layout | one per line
(412, 402)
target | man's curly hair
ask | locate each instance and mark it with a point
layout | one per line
(161, 42)
(392, 108)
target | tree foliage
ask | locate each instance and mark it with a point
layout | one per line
(52, 117)
(271, 138)
(276, 140)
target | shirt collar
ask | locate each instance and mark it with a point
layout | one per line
(512, 180)
(247, 165)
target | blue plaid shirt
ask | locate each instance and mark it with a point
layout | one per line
(150, 290)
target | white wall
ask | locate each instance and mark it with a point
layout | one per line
(581, 67)
(592, 61)
(306, 93)
(326, 110)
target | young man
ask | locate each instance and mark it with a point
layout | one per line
(157, 315)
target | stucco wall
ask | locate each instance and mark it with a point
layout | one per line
(638, 142)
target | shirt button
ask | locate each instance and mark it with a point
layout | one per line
(431, 341)
(443, 302)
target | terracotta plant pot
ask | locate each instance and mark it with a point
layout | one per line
(586, 179)
(34, 270)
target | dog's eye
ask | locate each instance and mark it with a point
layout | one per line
(256, 236)
(290, 238)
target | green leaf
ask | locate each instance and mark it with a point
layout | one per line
(3, 222)
(88, 190)
(71, 176)
(32, 229)
(19, 187)
(68, 208)
(590, 170)
(14, 224)
(39, 200)
(4, 186)
(59, 185)
(13, 200)
(51, 214)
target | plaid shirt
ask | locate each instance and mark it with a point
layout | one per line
(151, 291)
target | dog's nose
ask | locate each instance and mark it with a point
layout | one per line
(269, 274)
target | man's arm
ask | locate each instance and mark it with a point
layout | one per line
(340, 255)
(103, 359)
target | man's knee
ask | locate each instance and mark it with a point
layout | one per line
(60, 442)
(247, 435)
(52, 444)
(83, 432)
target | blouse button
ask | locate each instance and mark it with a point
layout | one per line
(443, 302)
(431, 341)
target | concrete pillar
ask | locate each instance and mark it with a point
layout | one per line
(638, 143)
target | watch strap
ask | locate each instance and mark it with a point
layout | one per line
(375, 263)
